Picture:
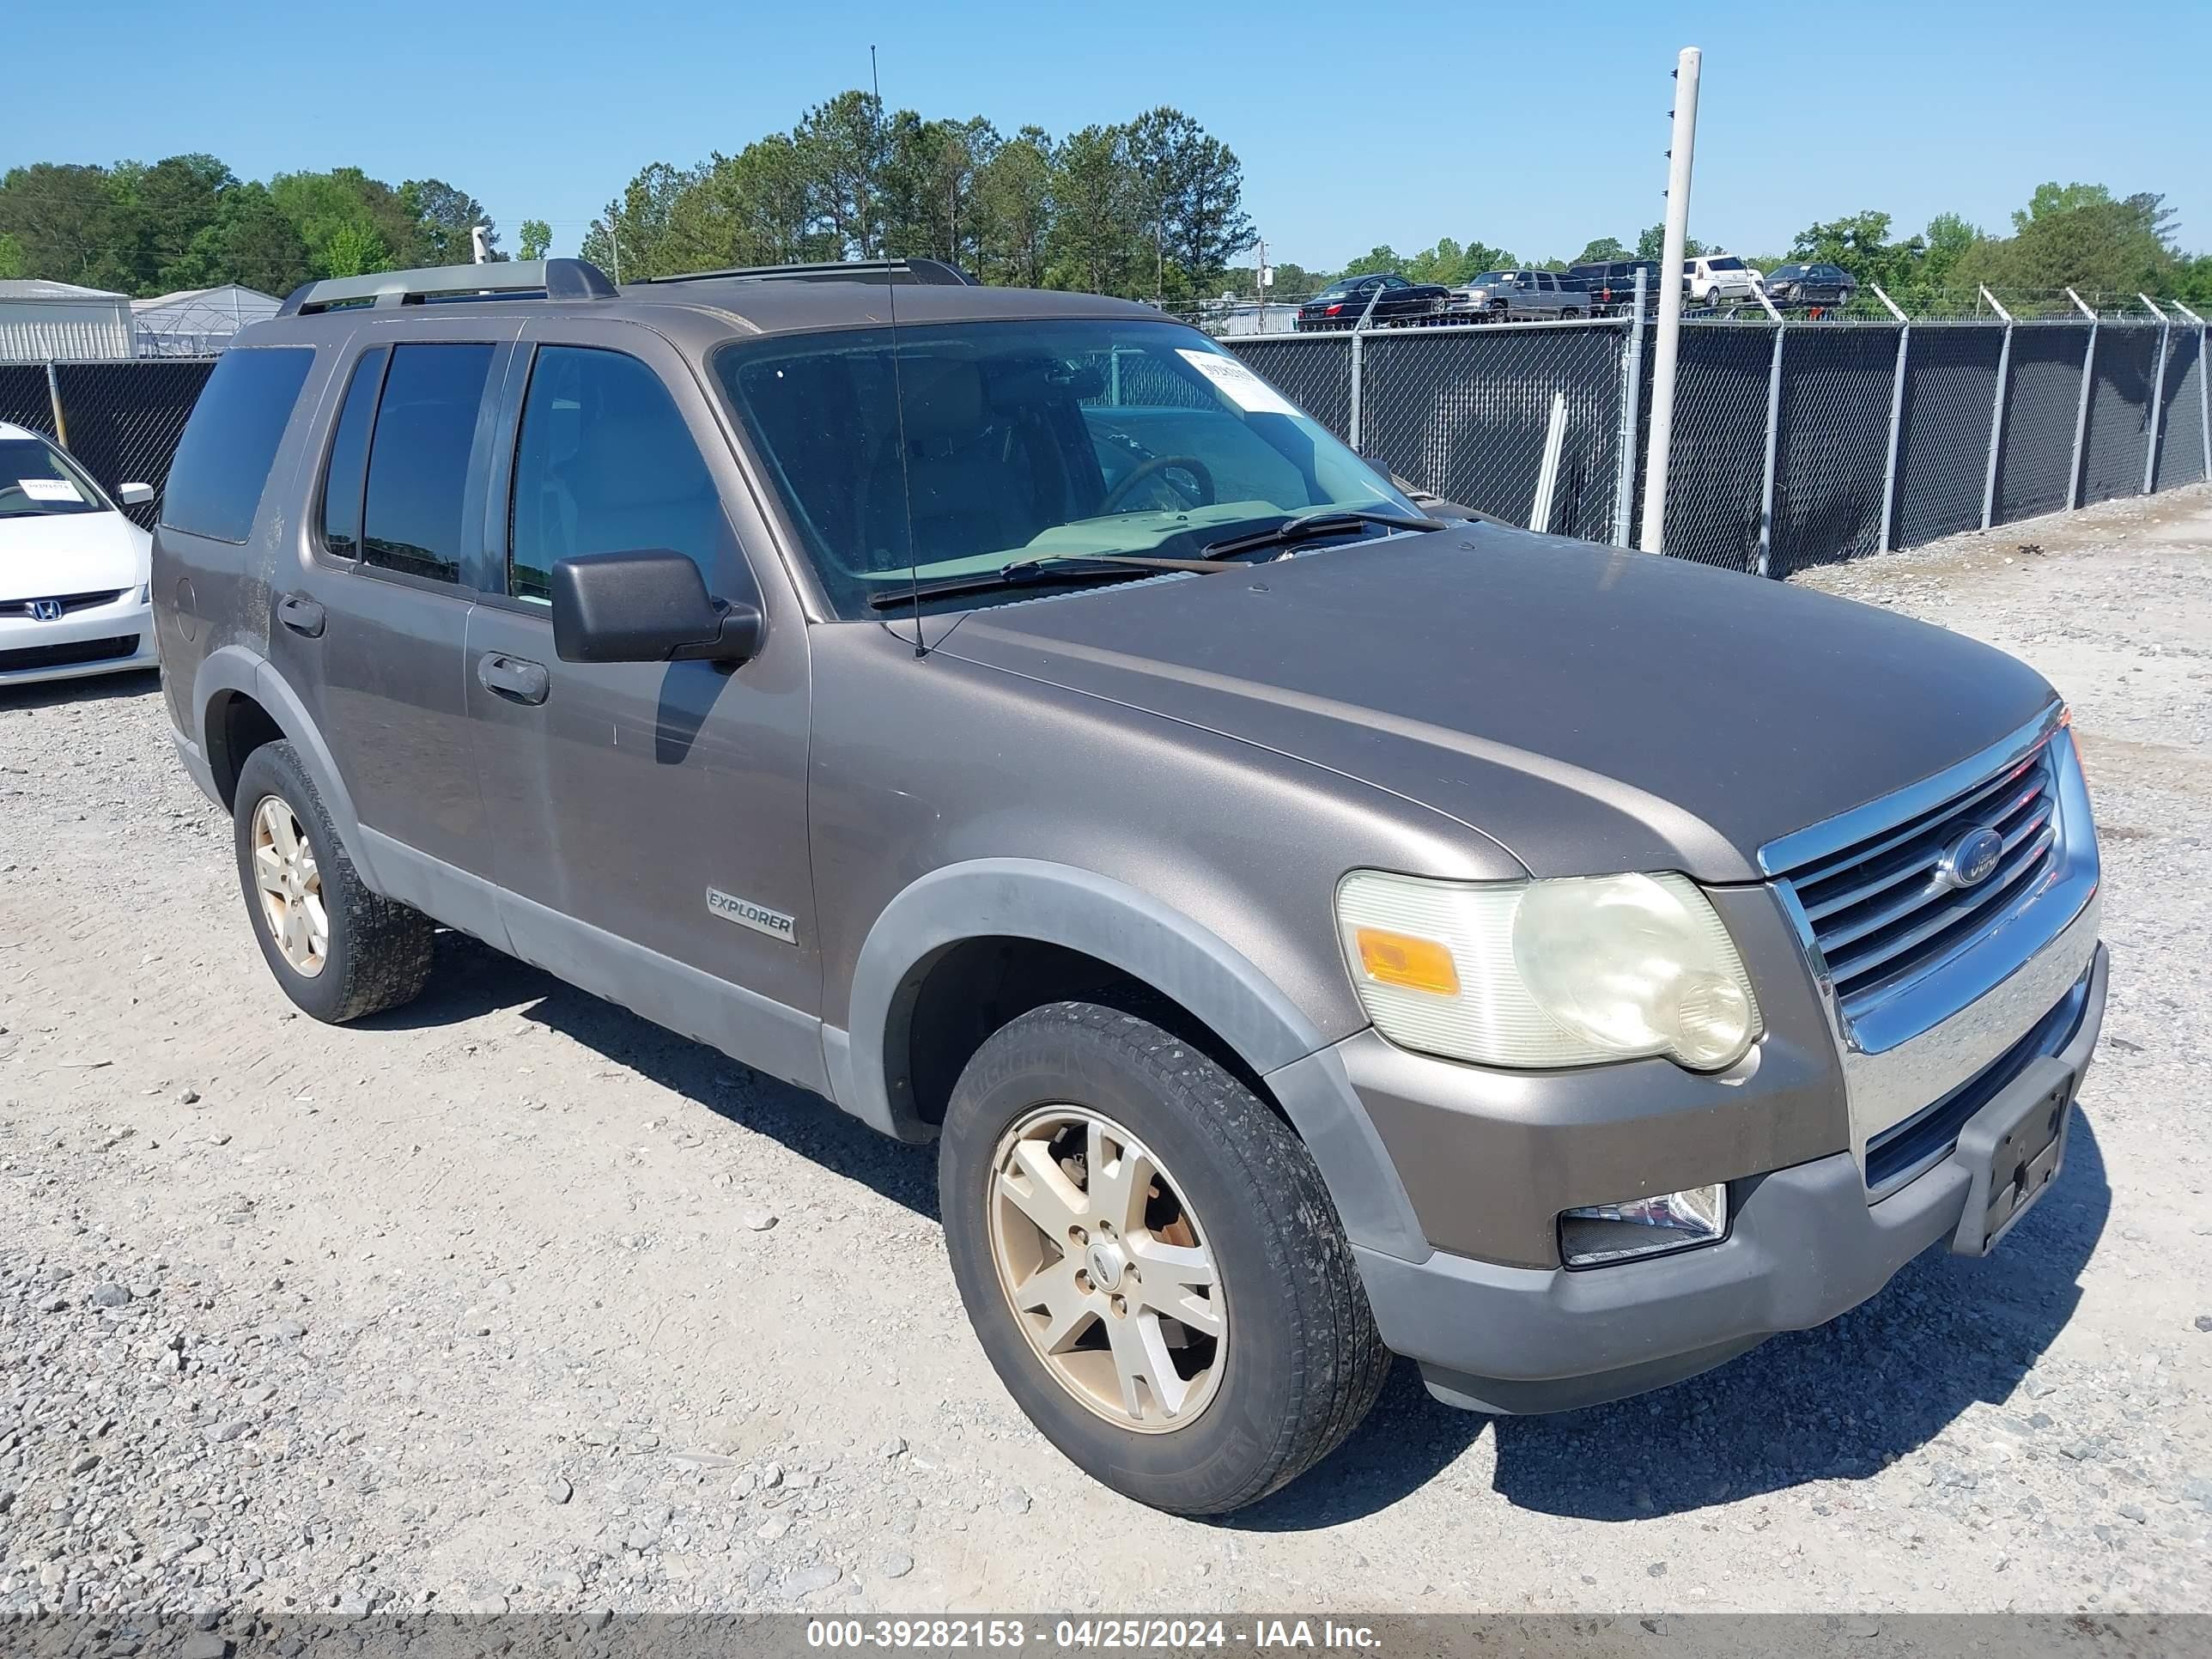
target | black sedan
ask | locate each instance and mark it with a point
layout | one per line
(1811, 285)
(1342, 303)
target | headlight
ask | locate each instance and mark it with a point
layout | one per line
(1545, 973)
(145, 592)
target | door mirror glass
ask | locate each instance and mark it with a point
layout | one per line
(650, 605)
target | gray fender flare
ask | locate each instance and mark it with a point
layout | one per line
(1156, 944)
(235, 668)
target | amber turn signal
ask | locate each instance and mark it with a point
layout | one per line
(1417, 964)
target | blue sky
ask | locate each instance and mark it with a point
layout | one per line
(1509, 124)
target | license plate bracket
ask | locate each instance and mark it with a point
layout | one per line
(2014, 1149)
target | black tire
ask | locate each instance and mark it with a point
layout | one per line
(379, 951)
(1303, 1362)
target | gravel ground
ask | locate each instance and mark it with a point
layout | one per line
(511, 1300)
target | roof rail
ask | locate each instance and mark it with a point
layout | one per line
(935, 272)
(505, 279)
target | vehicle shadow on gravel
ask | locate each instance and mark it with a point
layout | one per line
(1837, 1403)
(93, 688)
(471, 980)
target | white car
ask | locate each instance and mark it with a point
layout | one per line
(73, 569)
(1717, 279)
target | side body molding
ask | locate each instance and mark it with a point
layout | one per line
(1136, 932)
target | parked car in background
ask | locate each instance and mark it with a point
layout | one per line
(73, 569)
(1611, 283)
(1396, 300)
(1714, 279)
(1500, 294)
(1812, 285)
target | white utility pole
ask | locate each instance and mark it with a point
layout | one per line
(478, 246)
(1667, 345)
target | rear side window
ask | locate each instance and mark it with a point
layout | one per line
(604, 465)
(413, 515)
(222, 462)
(347, 467)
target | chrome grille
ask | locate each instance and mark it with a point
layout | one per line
(68, 602)
(1879, 911)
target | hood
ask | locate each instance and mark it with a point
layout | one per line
(55, 553)
(1589, 708)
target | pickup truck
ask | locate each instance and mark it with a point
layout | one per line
(1499, 295)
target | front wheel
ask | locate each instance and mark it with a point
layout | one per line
(1151, 1262)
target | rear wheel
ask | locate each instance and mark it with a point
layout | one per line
(1150, 1262)
(340, 951)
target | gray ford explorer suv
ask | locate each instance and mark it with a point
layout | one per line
(1310, 931)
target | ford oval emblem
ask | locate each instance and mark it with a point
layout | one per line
(1971, 860)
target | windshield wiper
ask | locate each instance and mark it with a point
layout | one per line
(1043, 567)
(1291, 531)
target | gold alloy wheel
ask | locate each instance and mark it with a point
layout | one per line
(290, 885)
(1106, 1269)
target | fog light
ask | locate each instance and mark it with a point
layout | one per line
(1643, 1226)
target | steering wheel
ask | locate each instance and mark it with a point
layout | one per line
(1153, 469)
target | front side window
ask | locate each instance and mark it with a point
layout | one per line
(604, 463)
(950, 450)
(413, 515)
(215, 485)
(37, 481)
(345, 472)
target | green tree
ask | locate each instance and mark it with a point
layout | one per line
(252, 241)
(2079, 236)
(536, 239)
(1192, 186)
(630, 238)
(11, 256)
(444, 218)
(843, 148)
(1652, 244)
(1014, 193)
(1380, 258)
(69, 225)
(354, 250)
(1100, 237)
(168, 205)
(1607, 247)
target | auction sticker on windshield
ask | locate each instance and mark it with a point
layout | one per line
(1237, 383)
(49, 490)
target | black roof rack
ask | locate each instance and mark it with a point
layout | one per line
(935, 272)
(506, 279)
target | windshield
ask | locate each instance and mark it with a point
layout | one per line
(1489, 279)
(952, 449)
(38, 481)
(1337, 290)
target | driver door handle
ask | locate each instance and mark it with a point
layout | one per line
(516, 678)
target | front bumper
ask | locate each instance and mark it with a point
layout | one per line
(1804, 1246)
(107, 639)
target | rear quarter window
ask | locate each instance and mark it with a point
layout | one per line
(230, 442)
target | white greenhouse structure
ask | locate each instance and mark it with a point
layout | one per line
(197, 322)
(43, 321)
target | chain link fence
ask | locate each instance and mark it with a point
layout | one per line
(1769, 471)
(1943, 430)
(1831, 454)
(2182, 454)
(1465, 411)
(2042, 402)
(122, 419)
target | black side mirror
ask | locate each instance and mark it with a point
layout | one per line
(650, 605)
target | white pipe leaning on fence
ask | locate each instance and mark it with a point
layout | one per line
(2081, 404)
(1885, 535)
(1358, 336)
(1997, 411)
(1667, 347)
(1547, 474)
(1773, 450)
